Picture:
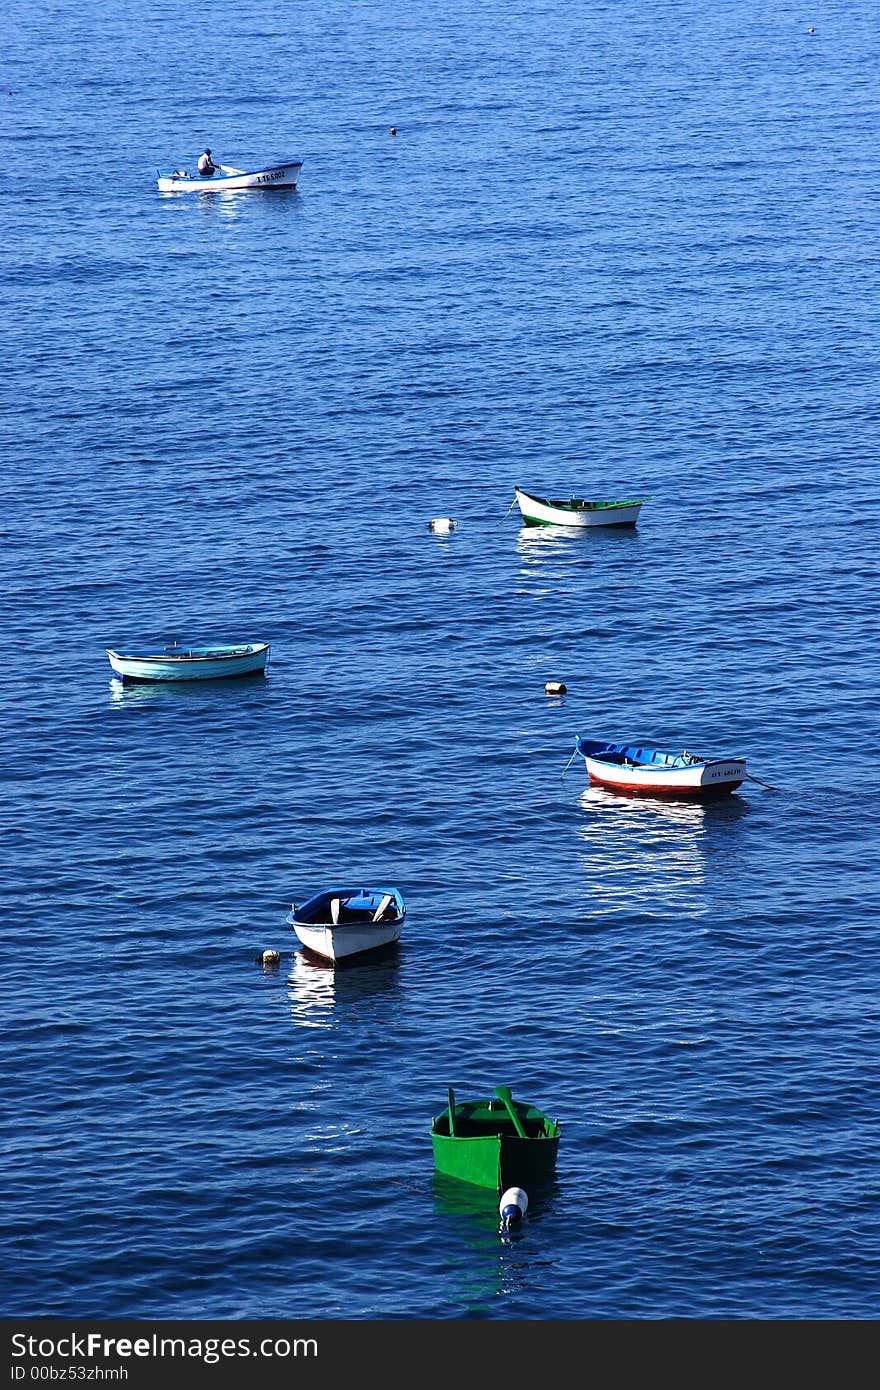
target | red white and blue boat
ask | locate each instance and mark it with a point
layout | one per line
(638, 770)
(284, 175)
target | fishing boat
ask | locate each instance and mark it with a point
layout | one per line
(339, 923)
(638, 770)
(577, 511)
(176, 663)
(271, 176)
(498, 1143)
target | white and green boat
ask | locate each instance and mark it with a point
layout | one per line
(577, 511)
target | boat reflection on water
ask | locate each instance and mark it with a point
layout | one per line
(652, 852)
(316, 987)
(664, 810)
(490, 1261)
(312, 992)
(547, 553)
(145, 692)
(538, 543)
(479, 1205)
(232, 202)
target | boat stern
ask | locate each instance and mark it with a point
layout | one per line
(491, 1143)
(475, 1159)
(723, 775)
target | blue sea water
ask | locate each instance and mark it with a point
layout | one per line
(612, 250)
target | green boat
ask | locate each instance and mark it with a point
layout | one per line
(496, 1143)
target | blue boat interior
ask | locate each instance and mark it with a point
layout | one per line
(341, 906)
(633, 755)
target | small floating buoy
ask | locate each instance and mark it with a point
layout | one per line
(268, 957)
(393, 130)
(555, 688)
(512, 1207)
(811, 31)
(442, 524)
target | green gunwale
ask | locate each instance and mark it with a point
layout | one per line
(583, 504)
(580, 504)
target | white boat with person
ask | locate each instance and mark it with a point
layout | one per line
(225, 176)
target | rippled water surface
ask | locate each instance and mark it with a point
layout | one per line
(618, 253)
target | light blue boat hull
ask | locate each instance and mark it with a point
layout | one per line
(190, 663)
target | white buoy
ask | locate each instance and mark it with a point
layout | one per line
(513, 1207)
(269, 957)
(555, 688)
(442, 523)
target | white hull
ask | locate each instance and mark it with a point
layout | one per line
(721, 774)
(276, 176)
(336, 943)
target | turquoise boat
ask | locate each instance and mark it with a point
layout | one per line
(176, 663)
(498, 1143)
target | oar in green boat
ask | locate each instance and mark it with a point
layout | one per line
(451, 1099)
(503, 1093)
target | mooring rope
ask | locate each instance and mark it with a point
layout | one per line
(570, 761)
(762, 784)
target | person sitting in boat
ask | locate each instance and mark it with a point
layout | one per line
(206, 165)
